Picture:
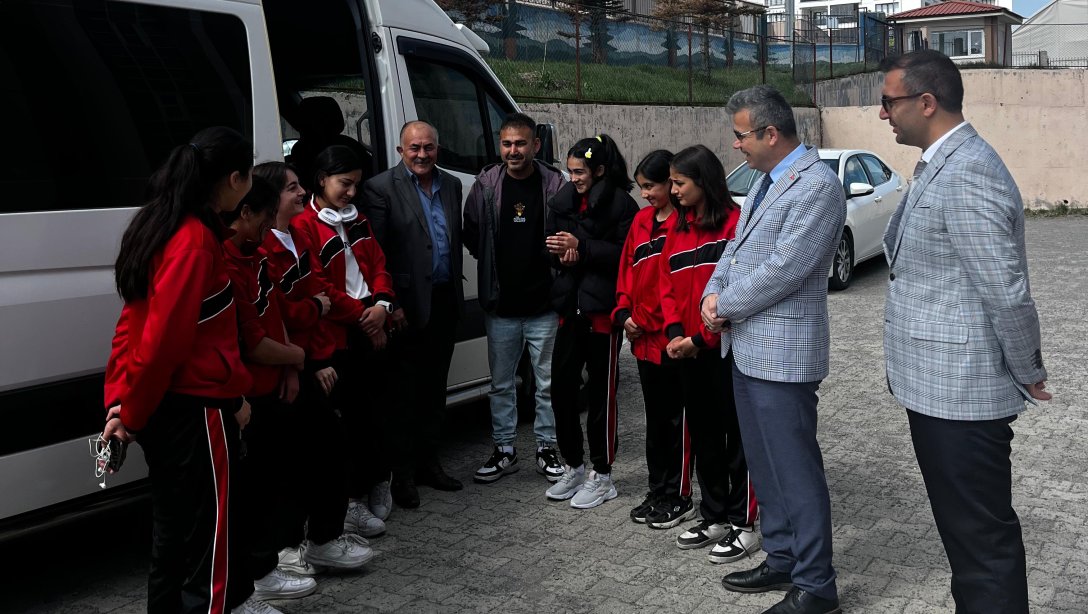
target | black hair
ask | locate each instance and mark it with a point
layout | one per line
(704, 169)
(655, 167)
(929, 70)
(334, 160)
(275, 173)
(182, 186)
(518, 120)
(262, 196)
(603, 151)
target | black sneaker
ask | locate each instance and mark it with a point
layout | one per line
(642, 510)
(497, 466)
(547, 463)
(669, 514)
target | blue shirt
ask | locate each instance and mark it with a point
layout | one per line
(436, 226)
(786, 162)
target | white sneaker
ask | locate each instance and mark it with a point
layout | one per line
(703, 533)
(738, 543)
(349, 551)
(380, 500)
(280, 584)
(595, 491)
(254, 606)
(359, 519)
(567, 485)
(291, 560)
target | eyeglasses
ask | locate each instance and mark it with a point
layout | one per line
(741, 135)
(886, 101)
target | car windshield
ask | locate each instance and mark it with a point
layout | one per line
(743, 178)
(832, 163)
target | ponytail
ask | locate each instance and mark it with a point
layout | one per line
(601, 151)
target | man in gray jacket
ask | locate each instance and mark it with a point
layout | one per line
(961, 332)
(504, 230)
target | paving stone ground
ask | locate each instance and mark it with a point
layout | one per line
(504, 548)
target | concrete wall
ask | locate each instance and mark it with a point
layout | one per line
(641, 129)
(1037, 120)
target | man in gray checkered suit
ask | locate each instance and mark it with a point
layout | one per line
(961, 333)
(769, 292)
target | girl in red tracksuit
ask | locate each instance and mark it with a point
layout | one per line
(638, 311)
(274, 363)
(350, 264)
(706, 222)
(175, 378)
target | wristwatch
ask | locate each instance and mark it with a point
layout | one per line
(385, 305)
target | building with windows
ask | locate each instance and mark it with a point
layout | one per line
(967, 32)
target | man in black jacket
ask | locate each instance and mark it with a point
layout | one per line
(415, 212)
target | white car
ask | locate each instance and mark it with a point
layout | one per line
(873, 191)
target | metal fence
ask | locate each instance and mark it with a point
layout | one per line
(555, 54)
(1050, 45)
(822, 53)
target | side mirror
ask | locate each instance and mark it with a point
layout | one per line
(860, 189)
(546, 134)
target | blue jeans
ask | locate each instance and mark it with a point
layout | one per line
(506, 340)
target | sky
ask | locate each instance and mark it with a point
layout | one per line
(1027, 8)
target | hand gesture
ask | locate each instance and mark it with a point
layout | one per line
(631, 329)
(324, 301)
(326, 378)
(681, 347)
(373, 321)
(559, 243)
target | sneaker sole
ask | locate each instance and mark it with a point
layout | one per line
(686, 516)
(296, 594)
(299, 570)
(330, 564)
(718, 559)
(487, 479)
(351, 528)
(562, 497)
(612, 494)
(695, 545)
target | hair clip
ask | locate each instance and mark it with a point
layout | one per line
(599, 139)
(589, 153)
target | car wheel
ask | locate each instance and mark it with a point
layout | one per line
(842, 269)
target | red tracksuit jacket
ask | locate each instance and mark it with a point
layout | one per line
(300, 310)
(183, 337)
(638, 287)
(688, 261)
(327, 263)
(259, 314)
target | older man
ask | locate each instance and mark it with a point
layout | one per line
(415, 211)
(769, 295)
(961, 333)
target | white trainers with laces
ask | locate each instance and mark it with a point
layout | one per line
(380, 500)
(280, 584)
(254, 606)
(595, 491)
(738, 543)
(291, 560)
(359, 519)
(567, 485)
(349, 551)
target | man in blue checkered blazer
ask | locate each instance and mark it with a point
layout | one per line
(769, 291)
(961, 333)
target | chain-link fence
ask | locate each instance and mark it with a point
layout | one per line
(821, 52)
(554, 53)
(1050, 45)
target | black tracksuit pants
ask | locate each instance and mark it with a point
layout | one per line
(668, 447)
(577, 346)
(711, 410)
(364, 400)
(265, 494)
(198, 561)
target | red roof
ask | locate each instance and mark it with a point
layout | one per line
(950, 8)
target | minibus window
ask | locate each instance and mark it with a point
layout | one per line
(450, 101)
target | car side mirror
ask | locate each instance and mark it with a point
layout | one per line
(546, 134)
(860, 189)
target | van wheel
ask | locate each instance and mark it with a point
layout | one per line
(842, 269)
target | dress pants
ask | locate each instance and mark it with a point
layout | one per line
(422, 357)
(968, 475)
(778, 423)
(198, 561)
(668, 446)
(724, 483)
(577, 346)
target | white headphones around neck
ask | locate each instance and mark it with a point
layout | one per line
(332, 217)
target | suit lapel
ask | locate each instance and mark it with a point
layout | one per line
(408, 194)
(447, 194)
(919, 185)
(777, 189)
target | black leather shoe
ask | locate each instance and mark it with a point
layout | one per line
(404, 491)
(432, 475)
(758, 580)
(798, 601)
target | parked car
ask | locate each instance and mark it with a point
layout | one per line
(873, 191)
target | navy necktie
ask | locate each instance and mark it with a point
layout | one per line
(763, 187)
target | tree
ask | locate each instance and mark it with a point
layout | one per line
(596, 14)
(707, 16)
(509, 14)
(468, 12)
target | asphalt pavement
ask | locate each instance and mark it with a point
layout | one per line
(504, 548)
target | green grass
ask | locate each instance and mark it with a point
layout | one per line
(638, 84)
(1061, 210)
